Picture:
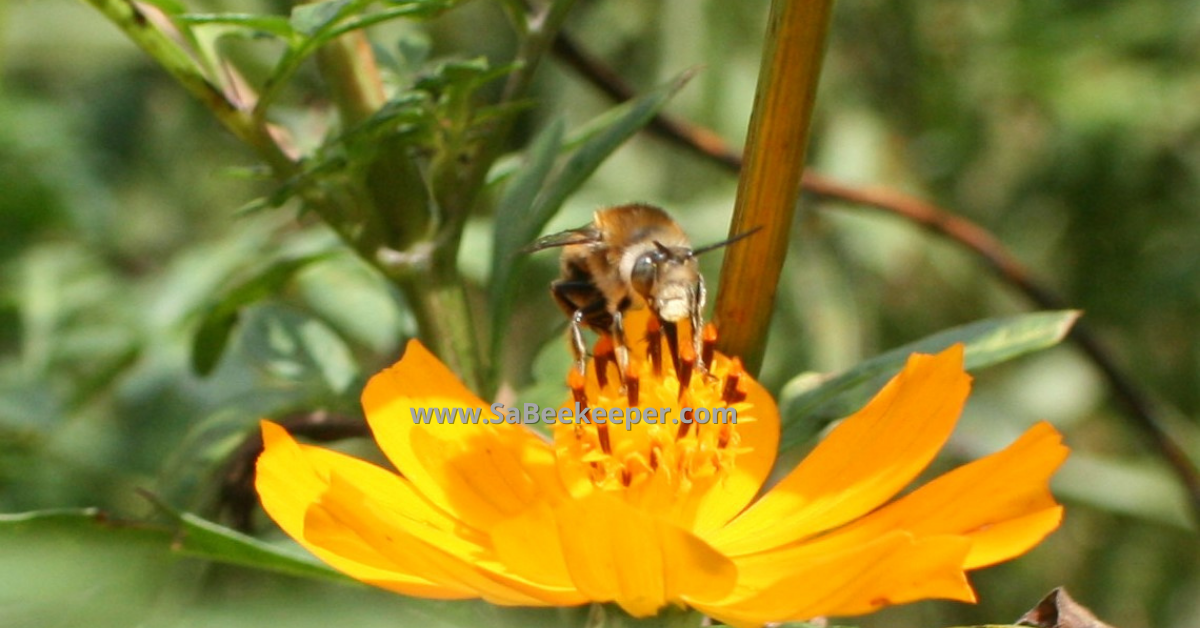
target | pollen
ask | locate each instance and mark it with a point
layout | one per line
(661, 425)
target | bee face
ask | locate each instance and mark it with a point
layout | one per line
(666, 279)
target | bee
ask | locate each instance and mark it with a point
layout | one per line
(629, 257)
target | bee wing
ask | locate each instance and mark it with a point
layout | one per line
(587, 234)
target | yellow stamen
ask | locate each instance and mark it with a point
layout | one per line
(659, 425)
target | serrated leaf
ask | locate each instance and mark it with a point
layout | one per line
(456, 80)
(309, 19)
(219, 320)
(407, 110)
(486, 114)
(270, 24)
(808, 404)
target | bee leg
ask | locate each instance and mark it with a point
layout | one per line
(698, 325)
(578, 320)
(671, 331)
(581, 302)
(619, 347)
(577, 345)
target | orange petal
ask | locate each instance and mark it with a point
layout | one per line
(481, 473)
(891, 569)
(346, 511)
(291, 478)
(717, 501)
(863, 462)
(617, 553)
(1002, 502)
(529, 545)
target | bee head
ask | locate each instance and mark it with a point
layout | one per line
(665, 277)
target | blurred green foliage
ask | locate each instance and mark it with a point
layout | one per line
(1067, 129)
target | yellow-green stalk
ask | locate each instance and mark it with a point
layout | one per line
(770, 181)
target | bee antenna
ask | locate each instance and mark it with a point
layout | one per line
(725, 242)
(662, 248)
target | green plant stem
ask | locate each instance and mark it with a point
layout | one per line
(397, 219)
(442, 310)
(392, 215)
(179, 64)
(241, 123)
(539, 31)
(457, 188)
(770, 181)
(398, 215)
(429, 277)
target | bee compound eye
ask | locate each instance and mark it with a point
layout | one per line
(643, 274)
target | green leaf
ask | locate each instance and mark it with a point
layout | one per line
(205, 539)
(1138, 489)
(512, 230)
(309, 19)
(208, 345)
(400, 115)
(523, 214)
(294, 346)
(623, 122)
(170, 7)
(417, 9)
(808, 404)
(270, 24)
(189, 536)
(218, 322)
(82, 568)
(79, 568)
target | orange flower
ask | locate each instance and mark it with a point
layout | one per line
(651, 514)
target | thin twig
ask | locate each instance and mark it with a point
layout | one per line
(238, 496)
(1138, 405)
(137, 26)
(691, 136)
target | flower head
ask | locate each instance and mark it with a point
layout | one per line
(649, 514)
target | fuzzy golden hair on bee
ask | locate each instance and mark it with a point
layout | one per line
(629, 257)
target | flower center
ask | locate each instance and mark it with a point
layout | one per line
(667, 423)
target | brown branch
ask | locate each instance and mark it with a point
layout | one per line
(690, 136)
(238, 496)
(1138, 405)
